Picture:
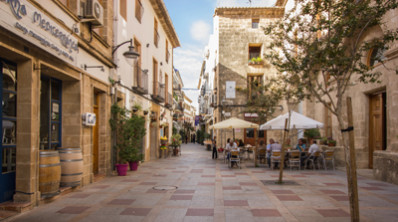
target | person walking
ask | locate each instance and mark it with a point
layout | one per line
(214, 154)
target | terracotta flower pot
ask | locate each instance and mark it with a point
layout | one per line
(133, 166)
(122, 169)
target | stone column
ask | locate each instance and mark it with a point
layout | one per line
(27, 133)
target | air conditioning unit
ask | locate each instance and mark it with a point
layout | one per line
(94, 11)
(89, 119)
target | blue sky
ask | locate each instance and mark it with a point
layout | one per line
(193, 22)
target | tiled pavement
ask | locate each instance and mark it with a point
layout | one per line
(207, 190)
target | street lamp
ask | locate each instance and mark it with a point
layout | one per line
(130, 54)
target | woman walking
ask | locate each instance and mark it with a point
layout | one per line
(215, 154)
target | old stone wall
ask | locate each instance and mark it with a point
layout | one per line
(235, 36)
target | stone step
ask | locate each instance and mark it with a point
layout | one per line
(15, 207)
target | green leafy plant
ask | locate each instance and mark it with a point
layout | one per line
(312, 133)
(324, 141)
(176, 140)
(129, 131)
(331, 141)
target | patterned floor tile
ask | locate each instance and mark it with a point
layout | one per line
(181, 197)
(248, 184)
(340, 198)
(136, 211)
(265, 213)
(333, 213)
(232, 188)
(121, 201)
(238, 203)
(289, 198)
(200, 212)
(80, 195)
(72, 210)
(282, 191)
(332, 192)
(184, 191)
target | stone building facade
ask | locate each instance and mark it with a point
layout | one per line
(55, 63)
(375, 111)
(148, 82)
(240, 43)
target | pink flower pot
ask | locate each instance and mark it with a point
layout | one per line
(133, 166)
(122, 169)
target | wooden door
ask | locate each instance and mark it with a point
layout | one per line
(249, 136)
(95, 134)
(377, 131)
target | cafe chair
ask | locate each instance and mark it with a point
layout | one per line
(261, 155)
(314, 159)
(328, 155)
(294, 159)
(275, 158)
(234, 158)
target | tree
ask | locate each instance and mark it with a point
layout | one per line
(264, 98)
(318, 48)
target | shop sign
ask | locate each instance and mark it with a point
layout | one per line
(25, 20)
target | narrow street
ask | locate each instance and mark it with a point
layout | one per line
(198, 188)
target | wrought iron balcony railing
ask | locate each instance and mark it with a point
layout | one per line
(140, 83)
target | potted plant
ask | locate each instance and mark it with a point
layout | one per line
(128, 133)
(324, 141)
(311, 134)
(331, 141)
(136, 107)
(175, 143)
(163, 145)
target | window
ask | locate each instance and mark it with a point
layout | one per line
(123, 9)
(255, 23)
(253, 84)
(9, 117)
(167, 51)
(254, 51)
(156, 36)
(50, 113)
(137, 70)
(166, 88)
(155, 76)
(375, 56)
(139, 10)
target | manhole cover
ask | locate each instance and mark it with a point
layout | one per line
(165, 187)
(275, 182)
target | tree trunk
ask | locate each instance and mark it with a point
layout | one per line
(282, 163)
(349, 154)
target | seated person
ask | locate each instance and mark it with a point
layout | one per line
(313, 148)
(301, 145)
(231, 146)
(262, 147)
(241, 144)
(274, 146)
(271, 141)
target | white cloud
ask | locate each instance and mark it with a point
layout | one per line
(200, 31)
(188, 61)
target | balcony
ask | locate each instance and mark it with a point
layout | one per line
(140, 84)
(169, 101)
(158, 92)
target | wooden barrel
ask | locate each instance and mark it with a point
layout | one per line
(71, 166)
(49, 173)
